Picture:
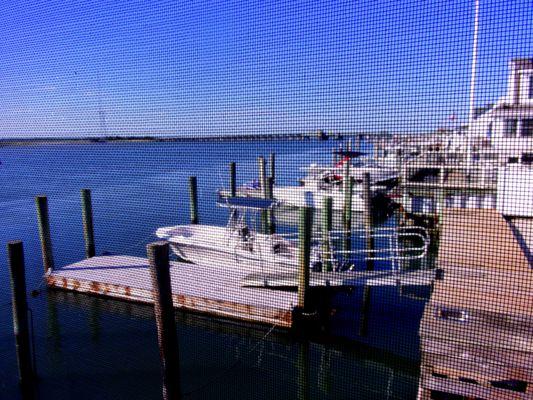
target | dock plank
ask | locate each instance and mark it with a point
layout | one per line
(208, 289)
(470, 390)
(477, 327)
(479, 238)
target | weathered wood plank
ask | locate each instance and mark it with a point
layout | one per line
(513, 322)
(520, 282)
(477, 328)
(479, 238)
(502, 301)
(476, 353)
(476, 332)
(470, 390)
(473, 369)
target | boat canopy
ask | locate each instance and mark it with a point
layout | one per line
(254, 203)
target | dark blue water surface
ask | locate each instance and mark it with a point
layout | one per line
(91, 348)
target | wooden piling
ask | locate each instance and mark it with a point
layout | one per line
(402, 184)
(365, 311)
(369, 246)
(94, 319)
(193, 196)
(367, 220)
(262, 174)
(20, 313)
(233, 179)
(346, 183)
(273, 167)
(270, 214)
(264, 191)
(327, 225)
(304, 242)
(304, 392)
(43, 221)
(347, 210)
(440, 196)
(53, 328)
(88, 228)
(158, 255)
(325, 378)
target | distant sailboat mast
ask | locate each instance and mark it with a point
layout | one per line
(472, 86)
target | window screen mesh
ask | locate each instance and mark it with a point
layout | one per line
(335, 198)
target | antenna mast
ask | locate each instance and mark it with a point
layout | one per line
(472, 86)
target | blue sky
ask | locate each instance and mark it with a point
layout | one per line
(206, 67)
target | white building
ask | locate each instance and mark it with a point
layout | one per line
(508, 126)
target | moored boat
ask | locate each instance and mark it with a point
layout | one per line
(238, 243)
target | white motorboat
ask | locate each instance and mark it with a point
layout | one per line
(237, 243)
(310, 195)
(321, 182)
(381, 172)
(314, 195)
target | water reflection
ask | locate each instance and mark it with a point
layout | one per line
(219, 359)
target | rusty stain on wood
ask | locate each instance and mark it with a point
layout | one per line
(205, 289)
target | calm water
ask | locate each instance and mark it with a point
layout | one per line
(95, 348)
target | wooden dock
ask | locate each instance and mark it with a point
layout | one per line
(253, 292)
(477, 330)
(224, 290)
(212, 289)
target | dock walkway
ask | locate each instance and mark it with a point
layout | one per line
(477, 329)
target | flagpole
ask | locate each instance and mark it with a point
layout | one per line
(472, 86)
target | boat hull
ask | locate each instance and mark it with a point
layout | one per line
(301, 196)
(202, 243)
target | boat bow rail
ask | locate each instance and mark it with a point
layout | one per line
(395, 244)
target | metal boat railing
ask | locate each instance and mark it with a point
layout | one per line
(398, 245)
(394, 250)
(395, 244)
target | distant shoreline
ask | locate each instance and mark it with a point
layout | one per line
(153, 139)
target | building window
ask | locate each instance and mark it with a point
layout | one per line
(530, 87)
(527, 127)
(527, 158)
(510, 127)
